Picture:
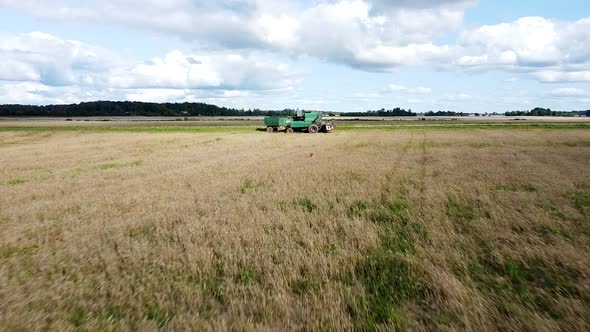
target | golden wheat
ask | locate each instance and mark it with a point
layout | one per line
(421, 229)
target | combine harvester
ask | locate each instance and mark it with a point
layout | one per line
(310, 122)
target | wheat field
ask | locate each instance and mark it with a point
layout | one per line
(354, 230)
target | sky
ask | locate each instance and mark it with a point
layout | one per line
(334, 55)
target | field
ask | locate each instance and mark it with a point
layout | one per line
(422, 228)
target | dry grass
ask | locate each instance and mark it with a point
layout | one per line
(476, 230)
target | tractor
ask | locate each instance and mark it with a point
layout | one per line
(311, 122)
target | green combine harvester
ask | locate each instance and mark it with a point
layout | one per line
(310, 122)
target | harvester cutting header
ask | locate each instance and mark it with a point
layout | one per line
(311, 122)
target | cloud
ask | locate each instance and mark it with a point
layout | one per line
(401, 88)
(47, 59)
(570, 92)
(156, 95)
(44, 58)
(562, 75)
(389, 4)
(219, 70)
(550, 50)
(528, 42)
(14, 92)
(370, 35)
(457, 97)
(374, 35)
(42, 68)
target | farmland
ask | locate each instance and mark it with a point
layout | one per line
(460, 226)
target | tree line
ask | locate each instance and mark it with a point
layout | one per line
(445, 113)
(132, 108)
(383, 112)
(539, 111)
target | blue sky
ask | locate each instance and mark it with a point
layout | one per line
(339, 55)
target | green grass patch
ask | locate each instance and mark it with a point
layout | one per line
(505, 187)
(552, 210)
(463, 126)
(147, 232)
(16, 250)
(380, 126)
(114, 312)
(356, 177)
(387, 212)
(158, 317)
(483, 145)
(107, 166)
(247, 276)
(140, 129)
(397, 232)
(459, 212)
(531, 284)
(509, 187)
(305, 203)
(16, 181)
(78, 317)
(387, 278)
(358, 145)
(303, 286)
(358, 208)
(582, 200)
(247, 185)
(389, 281)
(398, 239)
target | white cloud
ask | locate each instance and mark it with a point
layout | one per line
(22, 93)
(373, 35)
(366, 95)
(156, 95)
(401, 88)
(41, 57)
(557, 75)
(13, 92)
(512, 79)
(219, 70)
(529, 41)
(570, 92)
(457, 97)
(43, 63)
(370, 34)
(237, 93)
(552, 51)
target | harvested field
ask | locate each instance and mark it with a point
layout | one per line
(433, 229)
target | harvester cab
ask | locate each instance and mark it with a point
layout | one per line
(300, 115)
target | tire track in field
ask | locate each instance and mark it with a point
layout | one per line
(395, 166)
(422, 171)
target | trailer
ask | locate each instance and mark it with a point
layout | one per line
(311, 122)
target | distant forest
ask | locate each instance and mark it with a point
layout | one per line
(383, 112)
(128, 108)
(539, 111)
(445, 113)
(132, 108)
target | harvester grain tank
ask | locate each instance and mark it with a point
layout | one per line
(311, 122)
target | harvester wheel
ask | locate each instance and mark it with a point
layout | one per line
(289, 130)
(270, 129)
(313, 129)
